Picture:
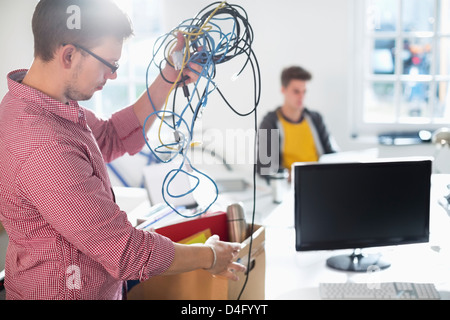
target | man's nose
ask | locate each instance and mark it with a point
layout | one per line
(111, 76)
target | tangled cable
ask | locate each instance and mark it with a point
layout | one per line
(217, 34)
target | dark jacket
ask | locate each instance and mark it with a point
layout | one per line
(271, 138)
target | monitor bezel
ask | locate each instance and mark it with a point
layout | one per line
(300, 245)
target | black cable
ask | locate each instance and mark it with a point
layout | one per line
(239, 49)
(253, 213)
(233, 44)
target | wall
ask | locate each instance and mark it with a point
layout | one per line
(317, 35)
(314, 34)
(16, 37)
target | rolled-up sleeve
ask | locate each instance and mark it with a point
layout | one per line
(121, 134)
(63, 186)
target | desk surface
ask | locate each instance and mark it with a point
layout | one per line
(296, 275)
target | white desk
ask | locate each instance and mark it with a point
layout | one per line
(296, 275)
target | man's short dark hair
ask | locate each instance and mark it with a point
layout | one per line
(97, 19)
(294, 73)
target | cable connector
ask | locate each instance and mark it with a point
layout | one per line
(177, 59)
(177, 134)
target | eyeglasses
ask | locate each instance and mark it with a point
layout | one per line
(113, 67)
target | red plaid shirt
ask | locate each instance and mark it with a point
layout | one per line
(67, 237)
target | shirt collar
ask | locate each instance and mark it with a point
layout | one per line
(281, 114)
(71, 111)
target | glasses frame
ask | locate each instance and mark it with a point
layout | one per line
(113, 67)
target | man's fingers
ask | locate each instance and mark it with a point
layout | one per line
(232, 270)
(237, 267)
(180, 42)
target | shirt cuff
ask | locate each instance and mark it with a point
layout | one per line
(129, 130)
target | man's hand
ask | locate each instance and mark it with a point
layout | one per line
(161, 87)
(226, 255)
(187, 75)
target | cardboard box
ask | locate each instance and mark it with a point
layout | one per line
(201, 285)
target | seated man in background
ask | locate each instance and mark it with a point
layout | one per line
(292, 133)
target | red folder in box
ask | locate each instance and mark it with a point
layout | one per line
(216, 222)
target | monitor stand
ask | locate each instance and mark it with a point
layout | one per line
(357, 262)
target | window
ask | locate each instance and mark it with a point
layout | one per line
(146, 16)
(136, 54)
(402, 59)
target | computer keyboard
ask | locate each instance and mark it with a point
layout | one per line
(381, 291)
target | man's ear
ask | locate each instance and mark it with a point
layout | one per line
(66, 55)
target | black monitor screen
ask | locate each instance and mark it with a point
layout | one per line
(360, 205)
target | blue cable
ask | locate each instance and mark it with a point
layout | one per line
(217, 47)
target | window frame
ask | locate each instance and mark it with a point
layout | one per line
(126, 75)
(361, 75)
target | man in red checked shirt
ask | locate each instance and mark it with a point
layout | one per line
(56, 201)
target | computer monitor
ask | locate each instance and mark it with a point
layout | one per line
(360, 205)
